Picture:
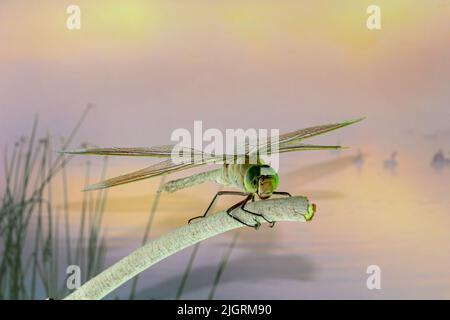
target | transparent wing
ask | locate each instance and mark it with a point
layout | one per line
(182, 154)
(165, 151)
(160, 168)
(314, 131)
(293, 138)
(304, 147)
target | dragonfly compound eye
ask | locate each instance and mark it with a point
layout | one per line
(251, 179)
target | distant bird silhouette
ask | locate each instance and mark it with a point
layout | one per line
(439, 160)
(391, 163)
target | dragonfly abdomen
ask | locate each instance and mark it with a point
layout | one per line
(234, 175)
(229, 175)
(199, 178)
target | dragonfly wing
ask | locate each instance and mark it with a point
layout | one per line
(313, 131)
(286, 143)
(302, 147)
(290, 139)
(165, 151)
(164, 167)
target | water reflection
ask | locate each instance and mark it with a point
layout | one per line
(316, 171)
(358, 161)
(251, 267)
(391, 163)
(364, 217)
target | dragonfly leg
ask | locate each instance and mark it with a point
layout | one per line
(282, 193)
(239, 204)
(252, 197)
(235, 193)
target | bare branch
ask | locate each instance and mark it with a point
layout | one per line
(286, 209)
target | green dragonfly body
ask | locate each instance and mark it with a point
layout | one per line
(260, 179)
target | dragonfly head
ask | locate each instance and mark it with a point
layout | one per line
(262, 180)
(267, 185)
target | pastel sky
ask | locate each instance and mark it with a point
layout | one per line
(153, 66)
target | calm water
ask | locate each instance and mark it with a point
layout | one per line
(367, 215)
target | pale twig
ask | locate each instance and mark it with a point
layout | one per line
(286, 209)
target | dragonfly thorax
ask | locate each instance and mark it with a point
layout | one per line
(262, 180)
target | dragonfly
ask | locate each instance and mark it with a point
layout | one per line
(248, 179)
